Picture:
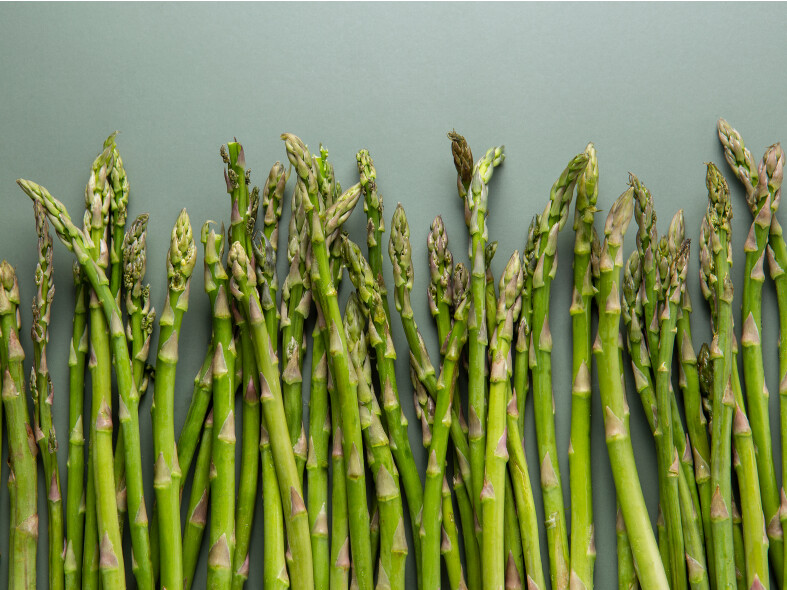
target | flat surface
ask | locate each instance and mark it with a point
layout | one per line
(645, 82)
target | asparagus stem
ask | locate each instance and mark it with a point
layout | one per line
(75, 240)
(317, 463)
(493, 493)
(583, 552)
(181, 258)
(715, 263)
(346, 384)
(23, 474)
(627, 573)
(550, 223)
(222, 508)
(198, 409)
(197, 513)
(294, 509)
(650, 570)
(393, 544)
(42, 392)
(340, 526)
(118, 208)
(763, 201)
(467, 519)
(75, 481)
(449, 545)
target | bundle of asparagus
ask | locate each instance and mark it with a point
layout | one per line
(715, 529)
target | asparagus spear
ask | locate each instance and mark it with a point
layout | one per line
(75, 498)
(627, 573)
(583, 550)
(76, 241)
(181, 259)
(472, 181)
(197, 513)
(494, 489)
(650, 570)
(762, 186)
(393, 545)
(715, 262)
(295, 515)
(222, 508)
(550, 223)
(42, 392)
(346, 385)
(118, 209)
(23, 474)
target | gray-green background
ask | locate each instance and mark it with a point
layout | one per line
(645, 82)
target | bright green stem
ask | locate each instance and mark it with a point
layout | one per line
(512, 545)
(250, 462)
(195, 415)
(197, 513)
(745, 462)
(23, 474)
(696, 424)
(294, 509)
(627, 574)
(754, 377)
(340, 526)
(525, 504)
(435, 469)
(111, 567)
(467, 520)
(613, 399)
(740, 557)
(317, 463)
(167, 479)
(274, 571)
(222, 508)
(721, 425)
(449, 545)
(75, 507)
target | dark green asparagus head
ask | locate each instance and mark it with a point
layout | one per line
(363, 280)
(265, 269)
(135, 254)
(400, 252)
(463, 161)
(441, 263)
(355, 326)
(368, 176)
(182, 253)
(587, 192)
(214, 251)
(461, 291)
(272, 199)
(299, 157)
(339, 211)
(510, 300)
(555, 214)
(98, 199)
(9, 290)
(707, 275)
(45, 287)
(243, 277)
(773, 167)
(330, 189)
(120, 187)
(740, 160)
(645, 213)
(631, 302)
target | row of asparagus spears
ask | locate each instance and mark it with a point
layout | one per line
(714, 529)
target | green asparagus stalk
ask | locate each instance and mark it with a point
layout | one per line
(493, 492)
(317, 463)
(763, 208)
(393, 545)
(715, 263)
(627, 573)
(222, 509)
(118, 209)
(23, 475)
(467, 520)
(181, 259)
(98, 196)
(550, 223)
(472, 181)
(42, 392)
(295, 514)
(346, 384)
(375, 226)
(201, 397)
(275, 568)
(296, 304)
(75, 486)
(650, 570)
(197, 513)
(449, 545)
(521, 377)
(76, 241)
(583, 551)
(271, 205)
(340, 526)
